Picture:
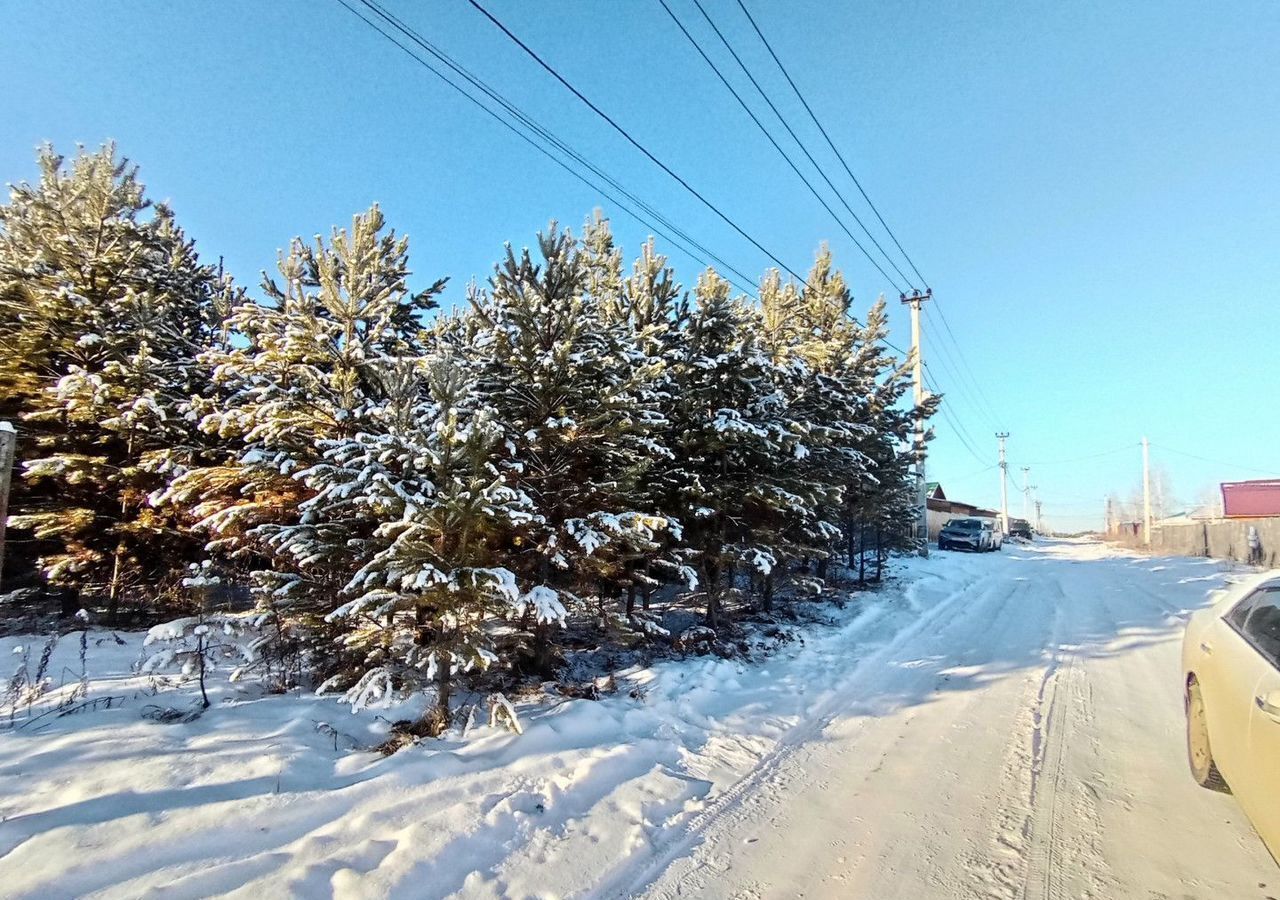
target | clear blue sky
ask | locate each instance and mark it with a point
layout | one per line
(1092, 189)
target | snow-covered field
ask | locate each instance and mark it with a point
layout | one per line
(1003, 725)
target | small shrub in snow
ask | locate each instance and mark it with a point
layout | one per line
(195, 643)
(501, 712)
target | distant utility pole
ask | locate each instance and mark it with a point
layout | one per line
(1146, 490)
(8, 440)
(1003, 436)
(914, 301)
(1026, 492)
(1039, 520)
(1107, 521)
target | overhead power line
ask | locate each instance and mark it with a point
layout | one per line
(963, 368)
(830, 143)
(776, 145)
(543, 134)
(963, 360)
(799, 143)
(958, 429)
(631, 140)
(745, 282)
(962, 388)
(1218, 462)
(1127, 448)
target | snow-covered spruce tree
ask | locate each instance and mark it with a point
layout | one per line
(433, 575)
(575, 397)
(302, 369)
(880, 499)
(734, 440)
(105, 307)
(833, 386)
(654, 305)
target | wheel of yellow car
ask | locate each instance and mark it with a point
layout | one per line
(1199, 754)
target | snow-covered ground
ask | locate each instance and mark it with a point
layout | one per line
(1003, 725)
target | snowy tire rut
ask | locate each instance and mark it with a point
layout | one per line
(969, 758)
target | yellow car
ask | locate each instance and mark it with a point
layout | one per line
(1231, 663)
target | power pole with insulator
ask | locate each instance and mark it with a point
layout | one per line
(1003, 436)
(914, 299)
(1146, 491)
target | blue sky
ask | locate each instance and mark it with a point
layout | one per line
(1092, 189)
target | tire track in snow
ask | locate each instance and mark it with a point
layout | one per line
(690, 834)
(1063, 859)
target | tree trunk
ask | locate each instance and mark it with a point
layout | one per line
(879, 556)
(200, 648)
(862, 554)
(113, 591)
(631, 600)
(420, 630)
(444, 690)
(767, 604)
(711, 577)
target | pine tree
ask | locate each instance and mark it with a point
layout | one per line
(303, 368)
(432, 571)
(575, 397)
(813, 338)
(105, 307)
(735, 437)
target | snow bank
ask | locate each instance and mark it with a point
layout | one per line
(269, 793)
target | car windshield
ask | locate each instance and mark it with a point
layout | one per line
(965, 525)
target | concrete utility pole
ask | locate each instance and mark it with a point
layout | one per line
(1107, 522)
(1146, 491)
(8, 440)
(1026, 493)
(1003, 436)
(914, 301)
(1039, 520)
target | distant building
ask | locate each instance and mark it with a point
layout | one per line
(941, 510)
(1251, 499)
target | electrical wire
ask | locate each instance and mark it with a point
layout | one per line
(544, 134)
(1058, 462)
(830, 143)
(1217, 462)
(964, 360)
(550, 138)
(977, 473)
(799, 143)
(632, 140)
(849, 171)
(957, 428)
(776, 145)
(962, 388)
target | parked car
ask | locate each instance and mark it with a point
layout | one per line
(1231, 671)
(997, 536)
(965, 534)
(1020, 528)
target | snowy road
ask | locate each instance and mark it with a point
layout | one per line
(1023, 741)
(995, 726)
